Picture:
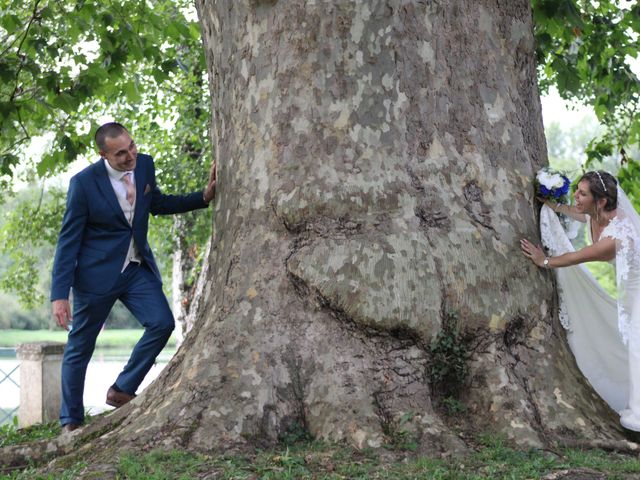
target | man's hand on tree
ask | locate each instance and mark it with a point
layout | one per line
(210, 191)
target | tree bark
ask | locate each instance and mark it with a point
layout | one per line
(376, 165)
(375, 175)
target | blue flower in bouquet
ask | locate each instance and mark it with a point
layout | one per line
(552, 185)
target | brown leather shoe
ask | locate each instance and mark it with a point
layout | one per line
(70, 427)
(118, 399)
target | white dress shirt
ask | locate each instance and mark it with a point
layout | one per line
(115, 176)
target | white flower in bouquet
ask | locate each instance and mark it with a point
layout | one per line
(552, 185)
(550, 180)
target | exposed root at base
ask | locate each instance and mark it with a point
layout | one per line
(620, 446)
(18, 457)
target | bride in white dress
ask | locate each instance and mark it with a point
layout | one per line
(603, 333)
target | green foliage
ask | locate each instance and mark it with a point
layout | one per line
(602, 461)
(583, 49)
(453, 406)
(296, 433)
(402, 433)
(71, 473)
(13, 315)
(62, 62)
(10, 434)
(628, 177)
(448, 360)
(27, 232)
(605, 274)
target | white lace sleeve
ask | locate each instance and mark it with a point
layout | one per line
(621, 229)
(555, 240)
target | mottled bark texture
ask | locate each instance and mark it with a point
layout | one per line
(375, 167)
(375, 161)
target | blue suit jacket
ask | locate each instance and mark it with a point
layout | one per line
(95, 235)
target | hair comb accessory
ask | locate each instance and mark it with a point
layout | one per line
(601, 181)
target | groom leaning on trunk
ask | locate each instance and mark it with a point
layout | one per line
(103, 255)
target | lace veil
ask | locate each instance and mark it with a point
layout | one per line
(625, 229)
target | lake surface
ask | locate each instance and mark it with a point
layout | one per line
(103, 370)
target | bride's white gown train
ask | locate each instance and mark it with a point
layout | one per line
(591, 317)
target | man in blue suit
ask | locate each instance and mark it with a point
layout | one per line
(103, 254)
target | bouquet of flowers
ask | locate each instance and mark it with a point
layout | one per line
(552, 185)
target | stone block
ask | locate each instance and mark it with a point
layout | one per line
(40, 395)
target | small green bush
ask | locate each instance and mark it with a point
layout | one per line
(448, 364)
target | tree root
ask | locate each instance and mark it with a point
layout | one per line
(620, 446)
(575, 474)
(17, 457)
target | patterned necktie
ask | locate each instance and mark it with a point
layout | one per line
(131, 189)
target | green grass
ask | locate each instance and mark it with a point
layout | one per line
(10, 434)
(322, 461)
(107, 338)
(71, 473)
(315, 460)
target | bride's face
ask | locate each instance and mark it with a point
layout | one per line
(583, 197)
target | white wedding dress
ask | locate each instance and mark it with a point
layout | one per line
(600, 330)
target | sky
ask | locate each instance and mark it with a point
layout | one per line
(558, 110)
(566, 113)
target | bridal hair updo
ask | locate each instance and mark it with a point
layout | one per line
(602, 185)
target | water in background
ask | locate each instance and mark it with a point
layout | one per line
(103, 370)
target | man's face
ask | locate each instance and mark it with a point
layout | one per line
(120, 152)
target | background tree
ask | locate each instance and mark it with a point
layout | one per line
(583, 49)
(62, 60)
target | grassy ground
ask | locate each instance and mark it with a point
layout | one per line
(493, 459)
(107, 338)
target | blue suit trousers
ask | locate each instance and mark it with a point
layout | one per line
(141, 292)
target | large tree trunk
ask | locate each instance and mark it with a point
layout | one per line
(375, 167)
(375, 177)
